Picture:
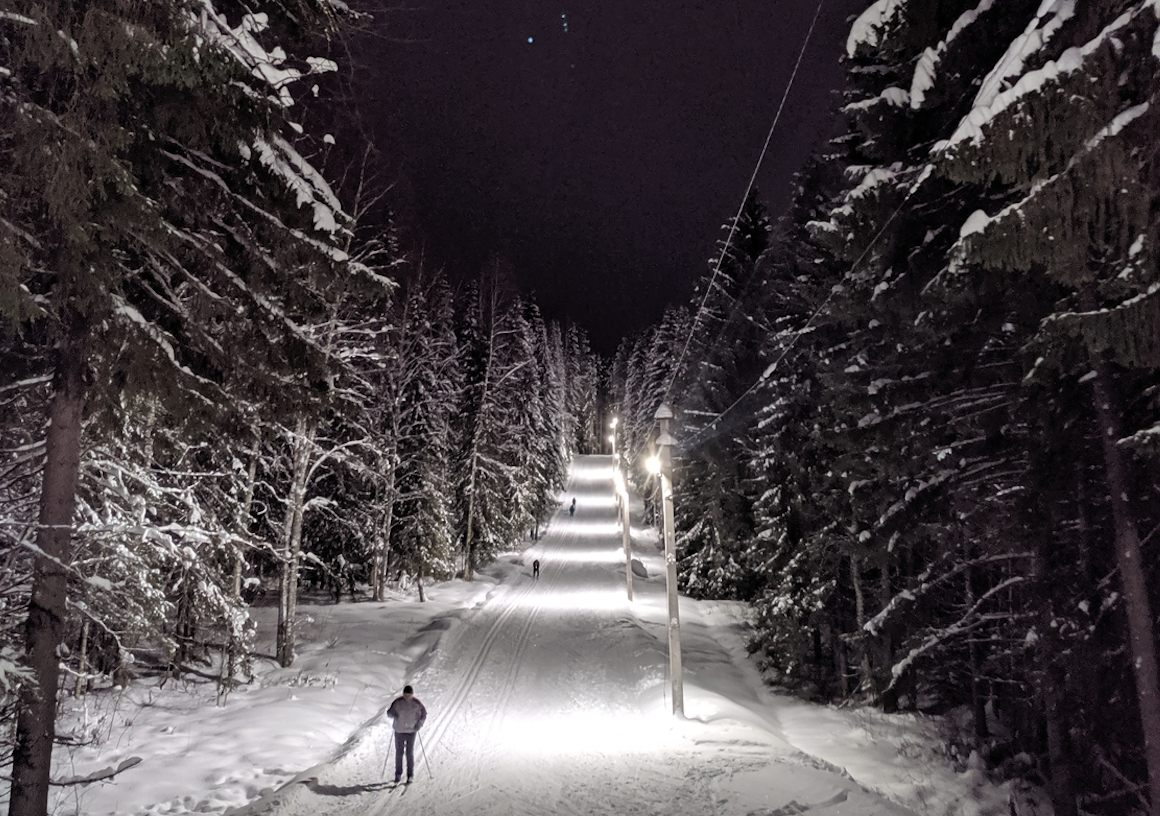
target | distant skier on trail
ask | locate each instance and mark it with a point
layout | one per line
(409, 715)
(536, 568)
(572, 509)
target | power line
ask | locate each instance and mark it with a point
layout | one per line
(772, 367)
(744, 198)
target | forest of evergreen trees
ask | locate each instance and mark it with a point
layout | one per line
(918, 414)
(223, 378)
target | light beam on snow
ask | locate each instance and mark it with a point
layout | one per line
(596, 529)
(587, 600)
(584, 732)
(599, 471)
(603, 556)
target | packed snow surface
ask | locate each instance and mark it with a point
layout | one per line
(547, 696)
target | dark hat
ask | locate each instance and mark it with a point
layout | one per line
(408, 690)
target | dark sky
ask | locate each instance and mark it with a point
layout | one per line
(596, 147)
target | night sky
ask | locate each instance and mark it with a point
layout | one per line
(595, 147)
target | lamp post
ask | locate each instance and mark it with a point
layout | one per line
(625, 514)
(663, 464)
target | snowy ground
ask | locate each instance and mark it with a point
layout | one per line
(545, 697)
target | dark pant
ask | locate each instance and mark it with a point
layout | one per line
(404, 742)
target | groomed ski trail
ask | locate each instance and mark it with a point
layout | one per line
(552, 699)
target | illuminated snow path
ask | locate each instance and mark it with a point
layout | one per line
(552, 698)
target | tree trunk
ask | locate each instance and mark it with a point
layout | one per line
(381, 562)
(893, 690)
(468, 548)
(83, 666)
(866, 683)
(978, 699)
(840, 664)
(1053, 689)
(44, 628)
(1130, 561)
(292, 543)
(230, 663)
(1062, 781)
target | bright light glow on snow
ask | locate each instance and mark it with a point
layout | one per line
(596, 529)
(581, 733)
(589, 600)
(572, 557)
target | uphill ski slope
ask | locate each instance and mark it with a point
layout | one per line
(552, 699)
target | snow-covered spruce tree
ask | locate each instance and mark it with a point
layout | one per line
(1064, 129)
(555, 365)
(920, 388)
(714, 521)
(630, 395)
(419, 391)
(800, 621)
(651, 372)
(161, 237)
(580, 388)
(545, 418)
(491, 340)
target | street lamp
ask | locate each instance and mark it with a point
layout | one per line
(664, 466)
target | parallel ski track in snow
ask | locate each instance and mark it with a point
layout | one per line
(505, 607)
(451, 706)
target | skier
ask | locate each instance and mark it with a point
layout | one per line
(572, 509)
(409, 715)
(536, 568)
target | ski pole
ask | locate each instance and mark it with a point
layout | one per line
(387, 758)
(425, 760)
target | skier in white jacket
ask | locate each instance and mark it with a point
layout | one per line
(409, 715)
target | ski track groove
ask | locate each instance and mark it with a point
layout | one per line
(515, 660)
(509, 604)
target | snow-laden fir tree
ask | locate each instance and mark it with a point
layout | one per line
(722, 358)
(420, 390)
(1063, 129)
(493, 350)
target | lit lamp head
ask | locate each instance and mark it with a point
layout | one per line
(653, 463)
